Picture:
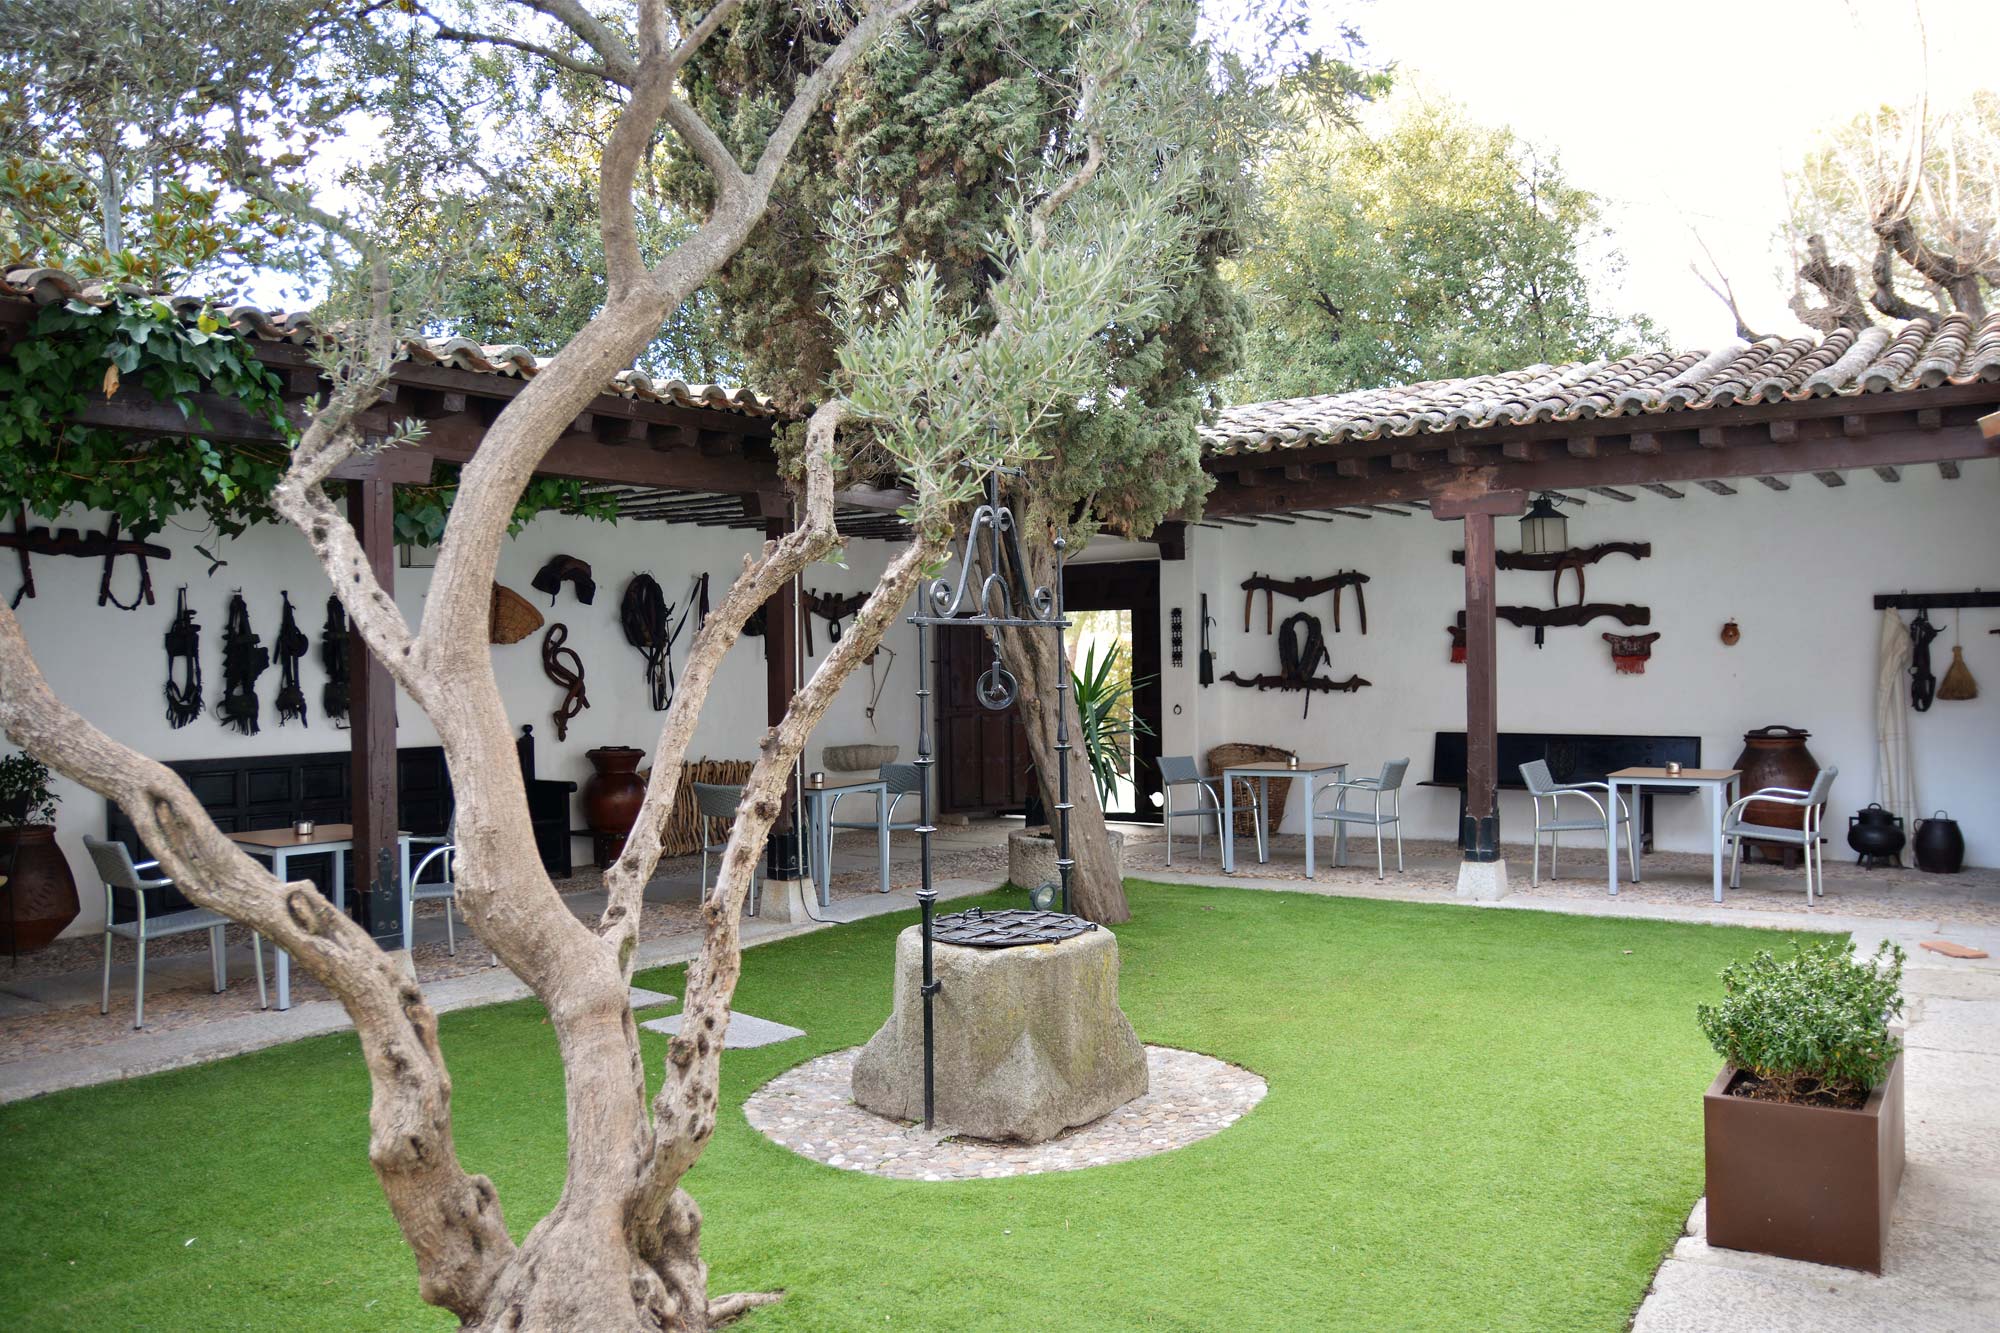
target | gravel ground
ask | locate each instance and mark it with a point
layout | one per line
(1671, 878)
(177, 1002)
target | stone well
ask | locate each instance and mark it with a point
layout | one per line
(1030, 1040)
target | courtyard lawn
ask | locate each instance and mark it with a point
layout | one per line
(1483, 1119)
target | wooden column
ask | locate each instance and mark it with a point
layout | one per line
(1479, 823)
(784, 858)
(371, 508)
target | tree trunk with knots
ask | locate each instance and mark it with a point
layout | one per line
(1096, 890)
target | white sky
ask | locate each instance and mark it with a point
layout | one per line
(1682, 115)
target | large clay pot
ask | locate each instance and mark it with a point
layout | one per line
(612, 796)
(1939, 845)
(1775, 757)
(40, 891)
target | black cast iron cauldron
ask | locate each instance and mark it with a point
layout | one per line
(1939, 845)
(1876, 835)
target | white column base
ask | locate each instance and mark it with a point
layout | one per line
(1483, 881)
(400, 958)
(785, 901)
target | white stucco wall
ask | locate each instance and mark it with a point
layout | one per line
(111, 665)
(1796, 571)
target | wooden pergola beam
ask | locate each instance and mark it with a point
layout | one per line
(1821, 446)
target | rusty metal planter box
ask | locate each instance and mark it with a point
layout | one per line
(1804, 1182)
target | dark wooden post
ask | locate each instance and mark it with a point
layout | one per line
(785, 855)
(1479, 824)
(371, 508)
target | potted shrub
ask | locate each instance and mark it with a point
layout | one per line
(1804, 1125)
(40, 892)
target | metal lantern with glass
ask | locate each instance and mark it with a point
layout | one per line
(1544, 531)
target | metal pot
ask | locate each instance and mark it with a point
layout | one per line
(1939, 845)
(1875, 834)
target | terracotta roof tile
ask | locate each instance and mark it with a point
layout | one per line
(1922, 353)
(45, 286)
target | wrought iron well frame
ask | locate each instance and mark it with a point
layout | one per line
(988, 603)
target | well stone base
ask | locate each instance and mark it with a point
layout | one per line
(1030, 1041)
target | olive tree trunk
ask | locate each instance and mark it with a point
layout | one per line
(1096, 889)
(621, 1248)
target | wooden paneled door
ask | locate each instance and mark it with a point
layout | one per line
(984, 766)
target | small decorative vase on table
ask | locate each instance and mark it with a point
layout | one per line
(611, 798)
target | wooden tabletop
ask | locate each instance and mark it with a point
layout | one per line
(1690, 774)
(1275, 767)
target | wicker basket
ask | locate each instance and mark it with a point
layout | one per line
(513, 618)
(684, 834)
(1222, 756)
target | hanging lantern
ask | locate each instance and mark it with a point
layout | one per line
(1544, 531)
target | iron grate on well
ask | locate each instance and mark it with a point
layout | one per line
(977, 928)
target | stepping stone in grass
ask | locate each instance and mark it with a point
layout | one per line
(744, 1030)
(1951, 950)
(649, 999)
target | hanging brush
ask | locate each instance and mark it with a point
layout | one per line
(1958, 684)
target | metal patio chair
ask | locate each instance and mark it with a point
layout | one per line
(1180, 770)
(1542, 786)
(1807, 838)
(1390, 784)
(114, 866)
(445, 851)
(718, 800)
(902, 780)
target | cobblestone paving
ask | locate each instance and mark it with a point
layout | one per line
(809, 1109)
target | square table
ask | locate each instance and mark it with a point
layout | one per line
(280, 845)
(1262, 773)
(1721, 784)
(820, 805)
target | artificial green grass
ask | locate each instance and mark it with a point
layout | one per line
(1481, 1119)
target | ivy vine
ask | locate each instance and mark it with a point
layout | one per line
(50, 462)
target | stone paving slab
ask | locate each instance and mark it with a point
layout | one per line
(745, 1030)
(641, 998)
(810, 1109)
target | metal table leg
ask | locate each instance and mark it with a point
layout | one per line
(1228, 824)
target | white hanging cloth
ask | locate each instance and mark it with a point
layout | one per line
(1895, 784)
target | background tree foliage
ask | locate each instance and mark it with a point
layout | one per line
(1897, 213)
(940, 133)
(1434, 248)
(117, 147)
(488, 191)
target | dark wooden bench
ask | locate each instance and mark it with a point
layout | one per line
(276, 790)
(1572, 757)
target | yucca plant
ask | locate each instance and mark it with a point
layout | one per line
(1104, 702)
